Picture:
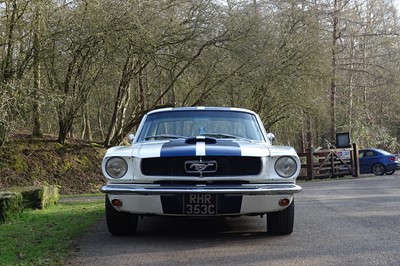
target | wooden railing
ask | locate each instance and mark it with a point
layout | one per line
(329, 163)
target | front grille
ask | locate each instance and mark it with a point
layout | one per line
(226, 166)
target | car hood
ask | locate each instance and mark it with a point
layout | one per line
(199, 147)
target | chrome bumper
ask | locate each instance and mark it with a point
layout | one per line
(247, 189)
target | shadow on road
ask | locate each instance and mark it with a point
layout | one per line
(183, 227)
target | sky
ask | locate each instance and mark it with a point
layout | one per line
(397, 2)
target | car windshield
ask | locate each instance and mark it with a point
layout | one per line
(209, 123)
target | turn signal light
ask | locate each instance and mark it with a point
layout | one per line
(116, 203)
(284, 202)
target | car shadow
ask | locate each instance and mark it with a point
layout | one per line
(185, 228)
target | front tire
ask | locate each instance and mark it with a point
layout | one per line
(378, 169)
(120, 223)
(390, 172)
(281, 222)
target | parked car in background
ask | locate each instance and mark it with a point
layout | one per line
(378, 161)
(200, 161)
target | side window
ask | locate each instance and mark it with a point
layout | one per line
(370, 154)
(365, 154)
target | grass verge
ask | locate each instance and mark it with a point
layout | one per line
(45, 237)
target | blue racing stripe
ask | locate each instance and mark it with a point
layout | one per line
(223, 148)
(178, 148)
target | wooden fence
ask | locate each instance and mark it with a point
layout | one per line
(329, 163)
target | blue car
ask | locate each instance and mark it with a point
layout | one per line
(377, 161)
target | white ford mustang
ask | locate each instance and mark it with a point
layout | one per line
(200, 161)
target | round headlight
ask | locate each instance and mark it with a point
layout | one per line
(116, 167)
(285, 166)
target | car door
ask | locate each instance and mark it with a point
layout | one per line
(367, 159)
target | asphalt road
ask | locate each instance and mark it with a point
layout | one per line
(341, 222)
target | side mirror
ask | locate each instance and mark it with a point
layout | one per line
(131, 137)
(271, 137)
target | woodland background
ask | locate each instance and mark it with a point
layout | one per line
(89, 69)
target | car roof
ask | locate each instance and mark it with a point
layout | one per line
(377, 150)
(201, 108)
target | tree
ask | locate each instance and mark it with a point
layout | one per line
(15, 56)
(73, 72)
(93, 68)
(166, 57)
(36, 114)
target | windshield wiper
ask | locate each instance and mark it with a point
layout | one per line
(221, 136)
(164, 136)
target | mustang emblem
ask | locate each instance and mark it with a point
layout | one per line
(200, 167)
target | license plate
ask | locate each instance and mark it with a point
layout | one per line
(200, 204)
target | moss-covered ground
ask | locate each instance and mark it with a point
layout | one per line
(74, 167)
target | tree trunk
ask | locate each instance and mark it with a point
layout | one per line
(86, 128)
(334, 66)
(352, 60)
(121, 102)
(7, 70)
(37, 128)
(141, 86)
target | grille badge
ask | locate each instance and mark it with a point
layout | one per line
(201, 167)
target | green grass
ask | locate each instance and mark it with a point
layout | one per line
(45, 237)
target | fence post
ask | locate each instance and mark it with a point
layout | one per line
(355, 161)
(332, 154)
(310, 165)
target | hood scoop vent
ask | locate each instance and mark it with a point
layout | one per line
(207, 140)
